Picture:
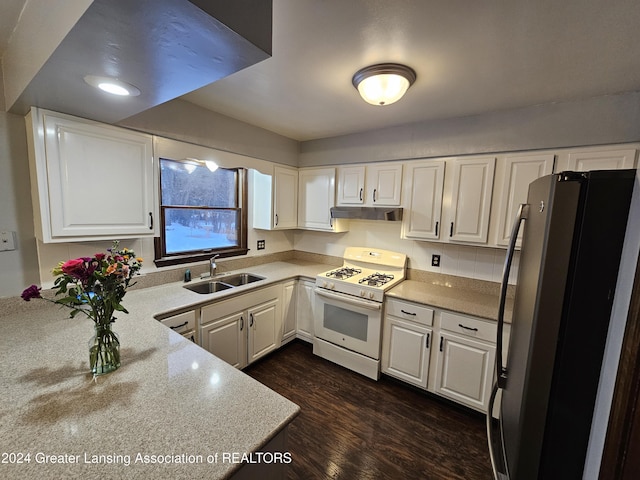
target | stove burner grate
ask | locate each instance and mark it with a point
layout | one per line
(344, 272)
(376, 279)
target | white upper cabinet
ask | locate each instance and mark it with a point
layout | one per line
(89, 181)
(513, 176)
(597, 158)
(316, 196)
(370, 185)
(384, 184)
(470, 202)
(275, 199)
(423, 188)
(351, 185)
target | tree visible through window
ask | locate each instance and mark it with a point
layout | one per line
(202, 212)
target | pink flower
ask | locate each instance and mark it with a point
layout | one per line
(74, 268)
(31, 292)
(99, 256)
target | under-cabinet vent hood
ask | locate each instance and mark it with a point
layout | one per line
(368, 213)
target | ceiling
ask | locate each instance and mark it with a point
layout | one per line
(470, 57)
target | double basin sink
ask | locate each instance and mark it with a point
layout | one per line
(224, 283)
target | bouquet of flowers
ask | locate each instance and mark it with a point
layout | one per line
(95, 286)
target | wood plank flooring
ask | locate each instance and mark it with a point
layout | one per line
(351, 427)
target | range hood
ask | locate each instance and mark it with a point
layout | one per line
(368, 213)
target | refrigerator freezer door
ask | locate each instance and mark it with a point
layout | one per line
(542, 277)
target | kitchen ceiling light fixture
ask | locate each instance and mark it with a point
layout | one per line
(112, 85)
(384, 83)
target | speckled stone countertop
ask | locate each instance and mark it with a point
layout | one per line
(476, 303)
(169, 397)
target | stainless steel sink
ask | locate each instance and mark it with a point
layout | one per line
(208, 287)
(241, 279)
(224, 283)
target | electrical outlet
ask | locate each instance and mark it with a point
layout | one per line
(435, 260)
(6, 241)
(261, 245)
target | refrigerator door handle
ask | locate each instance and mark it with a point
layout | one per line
(501, 372)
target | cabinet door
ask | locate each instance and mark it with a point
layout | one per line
(519, 172)
(289, 311)
(84, 158)
(351, 185)
(406, 350)
(471, 199)
(264, 329)
(316, 196)
(424, 182)
(384, 184)
(464, 370)
(595, 159)
(226, 339)
(305, 299)
(285, 210)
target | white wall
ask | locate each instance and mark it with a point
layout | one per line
(18, 268)
(481, 263)
(598, 120)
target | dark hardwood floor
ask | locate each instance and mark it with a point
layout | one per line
(351, 427)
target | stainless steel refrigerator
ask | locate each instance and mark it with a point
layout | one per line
(574, 225)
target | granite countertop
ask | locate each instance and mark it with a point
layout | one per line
(169, 397)
(479, 304)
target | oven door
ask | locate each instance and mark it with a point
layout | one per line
(349, 322)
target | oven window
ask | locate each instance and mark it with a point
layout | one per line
(346, 322)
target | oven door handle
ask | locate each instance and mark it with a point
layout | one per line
(348, 299)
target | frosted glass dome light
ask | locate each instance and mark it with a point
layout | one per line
(383, 84)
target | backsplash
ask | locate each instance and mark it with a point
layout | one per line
(477, 263)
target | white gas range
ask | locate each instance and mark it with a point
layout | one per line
(348, 313)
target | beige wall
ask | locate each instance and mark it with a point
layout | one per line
(18, 268)
(599, 120)
(181, 120)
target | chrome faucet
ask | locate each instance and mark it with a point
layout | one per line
(212, 265)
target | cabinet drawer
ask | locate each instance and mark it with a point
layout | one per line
(410, 311)
(182, 322)
(469, 326)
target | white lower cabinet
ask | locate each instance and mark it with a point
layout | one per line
(184, 324)
(289, 311)
(406, 351)
(243, 328)
(264, 329)
(226, 338)
(305, 300)
(466, 359)
(446, 353)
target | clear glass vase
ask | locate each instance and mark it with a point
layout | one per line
(104, 350)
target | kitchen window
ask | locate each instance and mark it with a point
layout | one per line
(203, 211)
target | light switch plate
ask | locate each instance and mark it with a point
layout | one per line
(7, 241)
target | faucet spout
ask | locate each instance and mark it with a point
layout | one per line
(212, 265)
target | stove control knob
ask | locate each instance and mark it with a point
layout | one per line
(332, 286)
(363, 293)
(324, 284)
(371, 294)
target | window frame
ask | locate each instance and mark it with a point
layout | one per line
(163, 259)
